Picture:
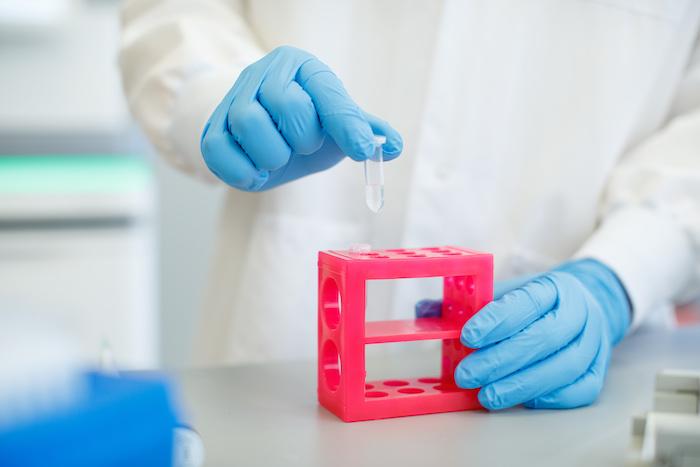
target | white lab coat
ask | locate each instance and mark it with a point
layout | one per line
(538, 131)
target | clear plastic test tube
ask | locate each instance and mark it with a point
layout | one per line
(374, 176)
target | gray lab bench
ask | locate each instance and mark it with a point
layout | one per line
(267, 415)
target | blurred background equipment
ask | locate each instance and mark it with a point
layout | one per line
(34, 16)
(117, 421)
(95, 230)
(41, 369)
(53, 412)
(670, 434)
(76, 240)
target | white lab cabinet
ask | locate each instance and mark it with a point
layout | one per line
(77, 244)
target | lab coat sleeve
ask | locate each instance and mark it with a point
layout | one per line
(178, 59)
(650, 224)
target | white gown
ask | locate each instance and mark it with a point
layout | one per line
(537, 131)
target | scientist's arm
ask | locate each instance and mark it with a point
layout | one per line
(178, 59)
(546, 341)
(211, 99)
(650, 229)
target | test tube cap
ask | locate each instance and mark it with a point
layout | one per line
(360, 247)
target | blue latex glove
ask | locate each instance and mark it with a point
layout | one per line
(545, 341)
(286, 116)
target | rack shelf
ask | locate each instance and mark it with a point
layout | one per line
(377, 332)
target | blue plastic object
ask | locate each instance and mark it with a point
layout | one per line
(287, 116)
(544, 341)
(121, 421)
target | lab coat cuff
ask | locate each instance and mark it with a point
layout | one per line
(194, 104)
(648, 251)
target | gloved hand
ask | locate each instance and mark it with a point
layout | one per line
(544, 342)
(288, 116)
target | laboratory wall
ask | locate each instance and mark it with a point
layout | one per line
(97, 234)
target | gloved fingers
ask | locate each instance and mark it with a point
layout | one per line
(255, 132)
(340, 116)
(394, 143)
(539, 340)
(511, 313)
(326, 157)
(583, 391)
(228, 161)
(294, 114)
(500, 288)
(558, 370)
(428, 308)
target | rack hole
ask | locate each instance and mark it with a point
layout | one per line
(395, 382)
(429, 380)
(410, 390)
(446, 388)
(331, 303)
(330, 362)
